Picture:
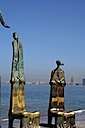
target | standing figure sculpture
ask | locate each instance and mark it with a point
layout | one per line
(2, 21)
(17, 101)
(57, 82)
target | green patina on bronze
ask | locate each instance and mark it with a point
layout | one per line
(17, 99)
(17, 76)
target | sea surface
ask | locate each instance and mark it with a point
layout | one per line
(37, 99)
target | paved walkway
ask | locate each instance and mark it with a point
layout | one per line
(43, 123)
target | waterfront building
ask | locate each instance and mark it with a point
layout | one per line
(83, 81)
(72, 81)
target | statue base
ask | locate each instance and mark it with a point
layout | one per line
(63, 119)
(31, 120)
(27, 119)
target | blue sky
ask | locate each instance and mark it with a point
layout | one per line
(48, 30)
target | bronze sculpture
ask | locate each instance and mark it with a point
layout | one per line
(17, 108)
(17, 101)
(57, 82)
(17, 74)
(63, 119)
(2, 21)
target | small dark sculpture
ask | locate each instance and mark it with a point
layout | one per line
(57, 82)
(2, 21)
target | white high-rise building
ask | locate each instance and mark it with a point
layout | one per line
(72, 81)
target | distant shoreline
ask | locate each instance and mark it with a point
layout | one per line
(44, 84)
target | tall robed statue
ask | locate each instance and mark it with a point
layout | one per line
(2, 20)
(17, 98)
(17, 76)
(17, 108)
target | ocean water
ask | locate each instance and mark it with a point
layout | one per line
(37, 99)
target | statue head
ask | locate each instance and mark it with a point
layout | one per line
(15, 35)
(58, 62)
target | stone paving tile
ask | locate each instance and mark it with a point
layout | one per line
(79, 124)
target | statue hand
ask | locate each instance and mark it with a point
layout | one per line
(13, 80)
(53, 82)
(21, 79)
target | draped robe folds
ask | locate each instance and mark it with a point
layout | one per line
(57, 83)
(17, 103)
